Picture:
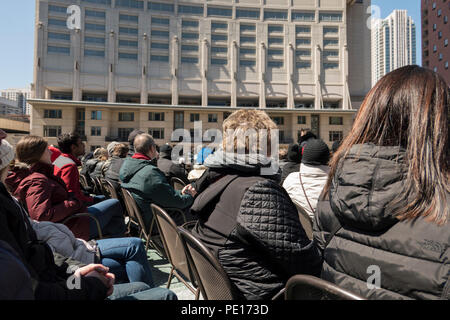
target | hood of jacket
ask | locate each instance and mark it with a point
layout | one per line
(365, 184)
(130, 167)
(16, 175)
(250, 164)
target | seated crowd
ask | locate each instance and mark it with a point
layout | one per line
(379, 198)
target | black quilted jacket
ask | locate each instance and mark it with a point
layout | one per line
(251, 225)
(358, 234)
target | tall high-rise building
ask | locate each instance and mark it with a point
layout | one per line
(163, 65)
(19, 95)
(9, 107)
(435, 36)
(393, 43)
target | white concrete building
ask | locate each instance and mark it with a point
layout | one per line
(19, 95)
(158, 65)
(393, 44)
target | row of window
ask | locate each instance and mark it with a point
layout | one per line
(225, 12)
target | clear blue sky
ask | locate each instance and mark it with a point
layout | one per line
(17, 37)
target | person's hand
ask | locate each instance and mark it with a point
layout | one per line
(189, 189)
(100, 272)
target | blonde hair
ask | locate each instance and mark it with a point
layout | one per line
(244, 129)
(101, 154)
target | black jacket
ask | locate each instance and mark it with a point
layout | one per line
(171, 169)
(356, 230)
(253, 228)
(49, 278)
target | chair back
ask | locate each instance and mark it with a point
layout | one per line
(175, 250)
(306, 287)
(109, 188)
(306, 221)
(83, 181)
(134, 211)
(177, 183)
(212, 279)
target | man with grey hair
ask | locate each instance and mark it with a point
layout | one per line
(148, 184)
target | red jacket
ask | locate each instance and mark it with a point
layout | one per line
(46, 198)
(66, 168)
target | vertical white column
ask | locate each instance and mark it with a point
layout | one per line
(144, 71)
(317, 76)
(234, 71)
(111, 67)
(76, 47)
(262, 79)
(204, 71)
(174, 71)
(290, 68)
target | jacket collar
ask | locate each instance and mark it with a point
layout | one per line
(68, 155)
(140, 156)
(44, 168)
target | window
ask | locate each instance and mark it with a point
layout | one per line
(304, 104)
(53, 114)
(189, 36)
(331, 105)
(52, 131)
(331, 53)
(212, 117)
(130, 4)
(219, 26)
(189, 60)
(96, 115)
(439, 12)
(94, 27)
(434, 27)
(128, 18)
(156, 133)
(189, 24)
(446, 65)
(93, 148)
(219, 37)
(435, 48)
(247, 63)
(446, 43)
(159, 45)
(197, 10)
(221, 12)
(58, 50)
(128, 56)
(273, 40)
(303, 53)
(61, 96)
(248, 40)
(162, 7)
(303, 65)
(160, 21)
(337, 121)
(247, 14)
(159, 58)
(303, 16)
(330, 30)
(301, 120)
(156, 116)
(104, 2)
(248, 27)
(226, 115)
(96, 131)
(440, 35)
(330, 17)
(128, 43)
(160, 34)
(57, 9)
(95, 14)
(275, 29)
(335, 136)
(275, 15)
(59, 36)
(219, 49)
(124, 133)
(330, 42)
(219, 61)
(441, 56)
(132, 31)
(303, 42)
(195, 117)
(94, 53)
(275, 52)
(94, 40)
(57, 23)
(126, 116)
(279, 121)
(275, 64)
(247, 51)
(303, 29)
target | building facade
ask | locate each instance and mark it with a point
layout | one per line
(9, 107)
(162, 65)
(435, 36)
(393, 44)
(19, 95)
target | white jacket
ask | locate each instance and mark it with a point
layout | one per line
(62, 241)
(314, 179)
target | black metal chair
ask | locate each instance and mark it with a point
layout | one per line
(110, 190)
(85, 214)
(177, 183)
(212, 279)
(84, 182)
(175, 250)
(306, 287)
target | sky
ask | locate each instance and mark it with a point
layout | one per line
(17, 37)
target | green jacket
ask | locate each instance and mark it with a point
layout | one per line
(148, 185)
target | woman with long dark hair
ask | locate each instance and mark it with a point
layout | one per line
(382, 219)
